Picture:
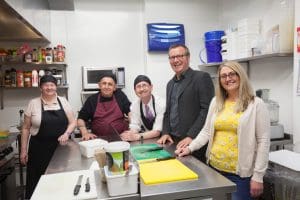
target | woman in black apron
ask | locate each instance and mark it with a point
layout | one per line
(54, 129)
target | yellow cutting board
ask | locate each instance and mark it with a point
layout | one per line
(165, 171)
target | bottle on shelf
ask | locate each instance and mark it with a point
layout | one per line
(35, 55)
(13, 77)
(54, 54)
(41, 73)
(20, 78)
(48, 55)
(60, 53)
(27, 79)
(7, 79)
(34, 78)
(28, 57)
(40, 55)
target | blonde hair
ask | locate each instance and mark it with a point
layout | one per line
(246, 94)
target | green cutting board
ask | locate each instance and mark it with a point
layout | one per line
(137, 152)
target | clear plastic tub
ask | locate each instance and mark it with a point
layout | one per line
(122, 184)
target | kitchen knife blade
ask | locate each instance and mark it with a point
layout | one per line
(78, 185)
(165, 158)
(87, 185)
(156, 159)
(152, 149)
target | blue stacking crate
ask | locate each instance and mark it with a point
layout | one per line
(162, 35)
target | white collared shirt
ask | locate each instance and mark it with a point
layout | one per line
(136, 119)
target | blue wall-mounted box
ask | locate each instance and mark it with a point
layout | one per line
(162, 35)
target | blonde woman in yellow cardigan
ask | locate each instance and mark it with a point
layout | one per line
(237, 129)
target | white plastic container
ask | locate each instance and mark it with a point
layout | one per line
(88, 147)
(117, 156)
(122, 184)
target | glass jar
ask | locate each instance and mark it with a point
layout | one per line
(7, 79)
(35, 55)
(27, 79)
(20, 78)
(49, 56)
(60, 53)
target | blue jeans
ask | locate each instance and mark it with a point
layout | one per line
(242, 186)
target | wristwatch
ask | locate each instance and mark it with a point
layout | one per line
(142, 137)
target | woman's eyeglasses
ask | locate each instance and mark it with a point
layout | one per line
(229, 75)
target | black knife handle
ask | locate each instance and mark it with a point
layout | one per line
(76, 189)
(87, 187)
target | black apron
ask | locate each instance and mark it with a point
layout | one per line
(42, 146)
(148, 124)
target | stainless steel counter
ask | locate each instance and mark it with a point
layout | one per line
(68, 158)
(209, 184)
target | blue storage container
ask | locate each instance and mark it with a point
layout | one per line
(162, 35)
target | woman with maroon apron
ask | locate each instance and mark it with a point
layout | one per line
(54, 128)
(106, 110)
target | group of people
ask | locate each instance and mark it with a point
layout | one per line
(228, 128)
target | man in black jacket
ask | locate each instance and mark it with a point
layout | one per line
(189, 94)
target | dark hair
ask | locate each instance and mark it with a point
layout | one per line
(187, 51)
(108, 74)
(48, 78)
(141, 78)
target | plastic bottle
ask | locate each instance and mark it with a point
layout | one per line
(34, 78)
(20, 78)
(41, 73)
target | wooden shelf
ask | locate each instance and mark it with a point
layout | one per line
(250, 59)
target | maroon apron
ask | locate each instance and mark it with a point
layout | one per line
(108, 116)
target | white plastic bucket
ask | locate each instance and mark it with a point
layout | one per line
(117, 156)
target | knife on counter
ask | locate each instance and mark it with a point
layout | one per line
(87, 185)
(78, 185)
(156, 159)
(152, 149)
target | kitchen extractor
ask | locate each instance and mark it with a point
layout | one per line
(16, 28)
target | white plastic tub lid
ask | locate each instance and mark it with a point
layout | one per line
(93, 143)
(119, 146)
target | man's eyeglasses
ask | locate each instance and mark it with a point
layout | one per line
(229, 75)
(141, 86)
(177, 56)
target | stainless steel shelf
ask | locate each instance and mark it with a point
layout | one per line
(250, 59)
(21, 88)
(29, 66)
(61, 64)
